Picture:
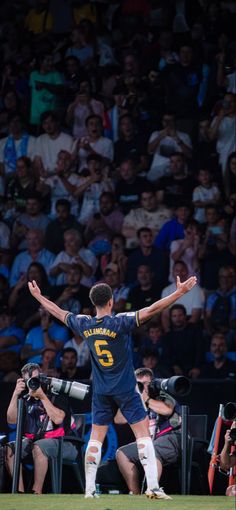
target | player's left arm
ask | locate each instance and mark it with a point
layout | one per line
(182, 288)
(51, 307)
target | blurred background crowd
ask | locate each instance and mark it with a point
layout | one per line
(118, 164)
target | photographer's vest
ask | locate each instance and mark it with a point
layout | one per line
(159, 424)
(37, 423)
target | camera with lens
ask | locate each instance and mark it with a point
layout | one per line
(72, 389)
(230, 414)
(178, 386)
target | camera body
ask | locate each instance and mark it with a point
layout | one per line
(177, 386)
(72, 389)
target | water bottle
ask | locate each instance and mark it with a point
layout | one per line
(98, 489)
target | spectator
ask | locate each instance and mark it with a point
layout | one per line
(11, 336)
(119, 109)
(35, 252)
(39, 19)
(174, 228)
(146, 254)
(130, 145)
(152, 361)
(17, 144)
(20, 302)
(46, 85)
(54, 235)
(183, 347)
(69, 369)
(129, 186)
(94, 142)
(73, 296)
(49, 334)
(31, 219)
(48, 363)
(22, 184)
(207, 193)
(90, 187)
(81, 108)
(162, 144)
(117, 255)
(74, 252)
(220, 313)
(182, 81)
(214, 250)
(223, 128)
(178, 186)
(149, 215)
(153, 338)
(193, 305)
(49, 144)
(81, 347)
(220, 367)
(231, 174)
(60, 181)
(145, 292)
(80, 48)
(113, 278)
(186, 249)
(105, 223)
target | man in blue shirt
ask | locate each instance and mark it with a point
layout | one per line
(114, 382)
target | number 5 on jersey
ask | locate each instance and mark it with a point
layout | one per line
(108, 361)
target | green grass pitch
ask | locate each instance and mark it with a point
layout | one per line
(109, 502)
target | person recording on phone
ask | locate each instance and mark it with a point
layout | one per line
(46, 418)
(164, 414)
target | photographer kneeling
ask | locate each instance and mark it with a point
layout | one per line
(46, 418)
(164, 424)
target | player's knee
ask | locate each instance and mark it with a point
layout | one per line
(93, 452)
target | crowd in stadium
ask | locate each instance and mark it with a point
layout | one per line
(118, 165)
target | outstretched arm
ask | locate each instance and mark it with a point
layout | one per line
(157, 307)
(51, 307)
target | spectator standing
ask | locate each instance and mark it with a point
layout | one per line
(64, 220)
(162, 144)
(81, 108)
(17, 144)
(178, 186)
(207, 193)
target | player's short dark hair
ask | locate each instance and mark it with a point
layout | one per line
(100, 294)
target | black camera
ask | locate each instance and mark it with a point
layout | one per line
(72, 389)
(232, 435)
(178, 386)
(230, 411)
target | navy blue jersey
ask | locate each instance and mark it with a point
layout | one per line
(110, 347)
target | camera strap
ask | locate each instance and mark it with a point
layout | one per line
(43, 426)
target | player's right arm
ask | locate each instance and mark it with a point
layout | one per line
(51, 307)
(182, 288)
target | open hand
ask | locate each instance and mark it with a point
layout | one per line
(34, 289)
(187, 285)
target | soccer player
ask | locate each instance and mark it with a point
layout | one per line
(114, 383)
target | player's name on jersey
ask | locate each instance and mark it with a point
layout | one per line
(100, 331)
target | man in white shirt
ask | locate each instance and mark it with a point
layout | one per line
(162, 144)
(223, 130)
(148, 215)
(50, 144)
(193, 303)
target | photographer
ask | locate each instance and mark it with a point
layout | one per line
(164, 426)
(227, 457)
(46, 418)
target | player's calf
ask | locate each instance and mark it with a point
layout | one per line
(92, 461)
